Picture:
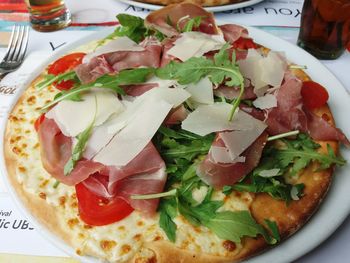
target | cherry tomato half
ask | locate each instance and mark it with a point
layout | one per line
(39, 121)
(244, 43)
(64, 64)
(314, 95)
(97, 211)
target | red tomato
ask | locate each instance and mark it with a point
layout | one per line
(314, 95)
(244, 43)
(97, 211)
(39, 121)
(64, 64)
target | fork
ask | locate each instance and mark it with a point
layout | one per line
(16, 50)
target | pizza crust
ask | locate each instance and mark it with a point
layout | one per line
(288, 218)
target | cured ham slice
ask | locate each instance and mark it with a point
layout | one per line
(291, 115)
(320, 129)
(221, 174)
(150, 57)
(145, 174)
(233, 32)
(176, 115)
(233, 92)
(138, 89)
(114, 62)
(56, 150)
(96, 67)
(168, 18)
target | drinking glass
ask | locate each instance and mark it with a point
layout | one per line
(325, 27)
(48, 15)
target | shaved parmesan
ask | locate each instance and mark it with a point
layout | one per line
(222, 155)
(269, 173)
(102, 135)
(202, 91)
(238, 141)
(174, 96)
(195, 44)
(274, 65)
(265, 102)
(263, 71)
(164, 83)
(213, 118)
(138, 132)
(73, 117)
(119, 44)
(198, 194)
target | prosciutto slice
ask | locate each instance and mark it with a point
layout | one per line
(233, 32)
(320, 129)
(116, 61)
(56, 150)
(233, 92)
(220, 174)
(290, 114)
(168, 18)
(145, 174)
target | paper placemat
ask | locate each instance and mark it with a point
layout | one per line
(16, 229)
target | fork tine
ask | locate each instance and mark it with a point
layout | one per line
(17, 51)
(25, 42)
(12, 38)
(16, 44)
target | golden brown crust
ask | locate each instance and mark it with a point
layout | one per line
(46, 214)
(199, 2)
(288, 218)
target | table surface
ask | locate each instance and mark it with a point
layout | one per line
(336, 248)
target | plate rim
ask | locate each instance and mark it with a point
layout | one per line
(210, 8)
(293, 247)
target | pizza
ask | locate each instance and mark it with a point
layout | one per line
(198, 2)
(172, 139)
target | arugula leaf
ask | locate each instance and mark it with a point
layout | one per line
(79, 148)
(233, 226)
(113, 82)
(290, 157)
(227, 189)
(168, 211)
(274, 229)
(190, 24)
(176, 144)
(50, 79)
(220, 70)
(132, 27)
(199, 214)
(301, 152)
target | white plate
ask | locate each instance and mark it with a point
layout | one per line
(210, 9)
(336, 205)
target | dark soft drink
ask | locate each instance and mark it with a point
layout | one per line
(325, 27)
